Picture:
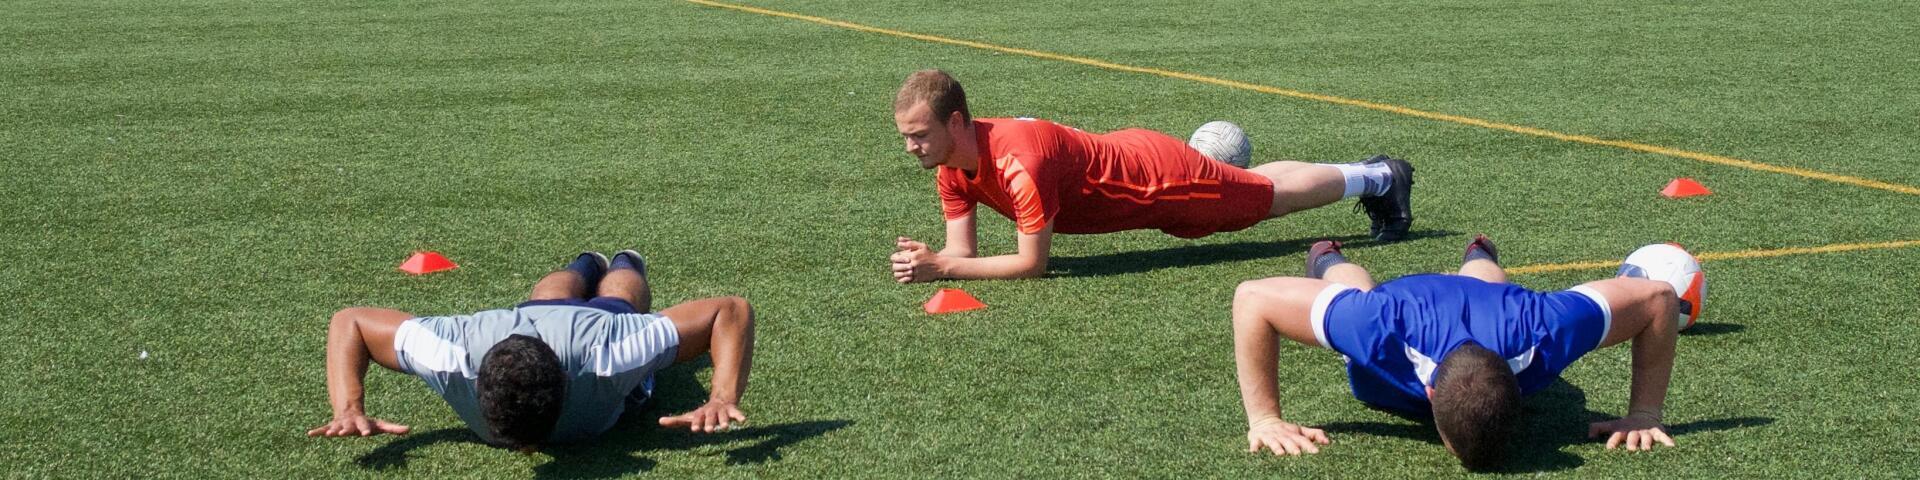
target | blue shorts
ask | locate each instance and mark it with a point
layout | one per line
(610, 304)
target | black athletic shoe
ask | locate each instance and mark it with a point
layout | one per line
(1484, 244)
(1391, 213)
(1320, 249)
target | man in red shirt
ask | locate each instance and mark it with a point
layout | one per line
(1051, 179)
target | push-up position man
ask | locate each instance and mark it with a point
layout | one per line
(1461, 348)
(558, 368)
(1052, 179)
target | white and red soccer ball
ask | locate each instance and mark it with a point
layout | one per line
(1669, 263)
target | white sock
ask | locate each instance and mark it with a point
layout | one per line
(1365, 180)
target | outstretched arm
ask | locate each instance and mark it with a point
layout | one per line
(1263, 312)
(356, 335)
(915, 262)
(1644, 311)
(724, 328)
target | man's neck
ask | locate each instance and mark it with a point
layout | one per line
(966, 152)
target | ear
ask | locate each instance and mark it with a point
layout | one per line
(1429, 393)
(954, 120)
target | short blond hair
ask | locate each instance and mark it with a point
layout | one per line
(938, 89)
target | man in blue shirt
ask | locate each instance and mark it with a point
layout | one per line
(1460, 348)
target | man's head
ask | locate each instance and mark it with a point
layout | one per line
(1476, 404)
(521, 387)
(931, 112)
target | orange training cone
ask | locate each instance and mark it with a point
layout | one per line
(1684, 187)
(949, 300)
(422, 263)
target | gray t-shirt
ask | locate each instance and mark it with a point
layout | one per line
(606, 357)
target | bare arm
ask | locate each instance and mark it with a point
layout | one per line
(1263, 312)
(962, 238)
(914, 262)
(1030, 261)
(355, 336)
(722, 328)
(1644, 311)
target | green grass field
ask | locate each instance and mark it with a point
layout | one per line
(207, 180)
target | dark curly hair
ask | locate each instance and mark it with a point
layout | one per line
(521, 388)
(1476, 405)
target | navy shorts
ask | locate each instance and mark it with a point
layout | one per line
(610, 304)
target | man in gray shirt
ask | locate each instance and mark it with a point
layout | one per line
(558, 368)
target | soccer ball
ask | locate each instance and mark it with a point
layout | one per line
(1669, 263)
(1223, 141)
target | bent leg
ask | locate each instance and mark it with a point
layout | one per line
(1350, 274)
(559, 285)
(630, 285)
(1482, 261)
(1485, 270)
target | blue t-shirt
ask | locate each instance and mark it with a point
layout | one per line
(1395, 335)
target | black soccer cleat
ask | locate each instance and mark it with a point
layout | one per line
(1392, 212)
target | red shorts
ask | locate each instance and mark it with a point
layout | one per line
(1166, 185)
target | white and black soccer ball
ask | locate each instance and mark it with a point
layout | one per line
(1222, 140)
(1669, 263)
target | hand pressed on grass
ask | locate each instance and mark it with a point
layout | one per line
(355, 424)
(1284, 438)
(1637, 432)
(715, 416)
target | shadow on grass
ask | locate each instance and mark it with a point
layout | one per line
(1706, 329)
(395, 454)
(1555, 419)
(613, 453)
(1194, 255)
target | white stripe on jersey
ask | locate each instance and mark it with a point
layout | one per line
(417, 346)
(1606, 311)
(1424, 367)
(1317, 315)
(634, 350)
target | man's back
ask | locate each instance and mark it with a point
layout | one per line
(605, 356)
(1395, 335)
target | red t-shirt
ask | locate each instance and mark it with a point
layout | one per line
(1036, 171)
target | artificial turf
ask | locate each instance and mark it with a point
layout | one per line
(192, 187)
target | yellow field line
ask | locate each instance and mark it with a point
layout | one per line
(1641, 147)
(1712, 256)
